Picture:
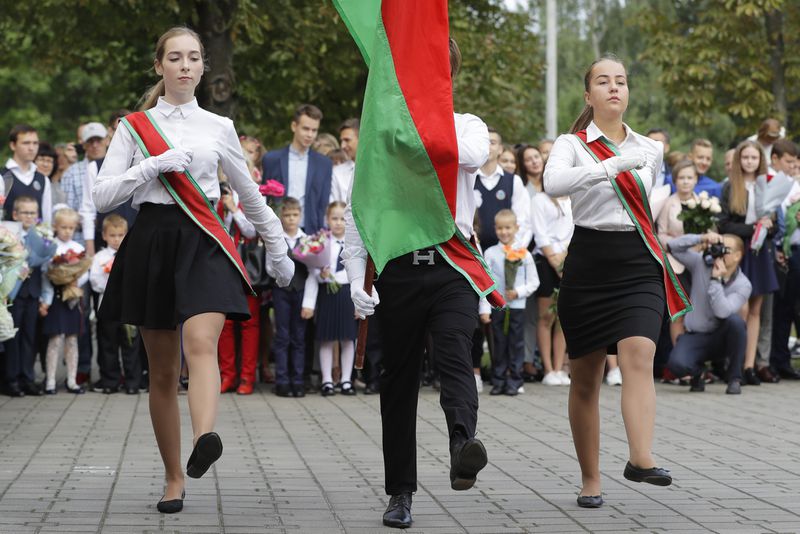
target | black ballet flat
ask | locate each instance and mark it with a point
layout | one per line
(657, 476)
(206, 451)
(173, 506)
(590, 501)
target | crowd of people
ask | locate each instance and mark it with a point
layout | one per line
(301, 337)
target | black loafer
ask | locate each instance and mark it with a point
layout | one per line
(497, 390)
(398, 513)
(466, 460)
(173, 506)
(654, 475)
(207, 451)
(590, 501)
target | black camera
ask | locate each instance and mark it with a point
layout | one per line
(714, 251)
(225, 188)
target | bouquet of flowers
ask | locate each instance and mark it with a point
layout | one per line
(513, 259)
(12, 264)
(699, 215)
(331, 286)
(314, 251)
(272, 189)
(65, 269)
(770, 192)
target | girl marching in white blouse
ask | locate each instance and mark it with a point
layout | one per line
(172, 277)
(612, 296)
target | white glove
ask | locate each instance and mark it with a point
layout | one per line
(618, 164)
(281, 269)
(173, 160)
(363, 303)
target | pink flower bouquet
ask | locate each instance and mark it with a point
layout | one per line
(314, 250)
(272, 188)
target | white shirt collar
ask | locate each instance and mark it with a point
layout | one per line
(498, 171)
(167, 109)
(301, 155)
(12, 164)
(593, 133)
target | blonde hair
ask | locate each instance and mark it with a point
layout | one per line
(505, 214)
(738, 244)
(738, 193)
(115, 220)
(150, 98)
(64, 215)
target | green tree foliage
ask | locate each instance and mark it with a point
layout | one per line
(737, 57)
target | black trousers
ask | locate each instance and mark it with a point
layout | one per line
(21, 349)
(728, 341)
(509, 348)
(417, 300)
(112, 342)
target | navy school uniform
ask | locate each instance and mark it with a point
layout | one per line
(21, 349)
(335, 316)
(492, 201)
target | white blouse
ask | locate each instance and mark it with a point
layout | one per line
(572, 170)
(213, 142)
(552, 226)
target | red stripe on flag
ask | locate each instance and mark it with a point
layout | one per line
(418, 33)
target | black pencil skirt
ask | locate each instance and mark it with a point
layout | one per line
(168, 270)
(612, 289)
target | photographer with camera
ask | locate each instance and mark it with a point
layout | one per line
(714, 329)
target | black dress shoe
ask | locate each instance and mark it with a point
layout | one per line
(497, 390)
(511, 391)
(789, 373)
(32, 389)
(698, 384)
(371, 389)
(298, 391)
(767, 376)
(398, 513)
(173, 506)
(132, 391)
(590, 501)
(734, 387)
(466, 460)
(327, 389)
(654, 475)
(77, 390)
(348, 389)
(13, 391)
(751, 378)
(282, 390)
(206, 451)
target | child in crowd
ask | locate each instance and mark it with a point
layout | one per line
(288, 346)
(21, 349)
(336, 314)
(253, 151)
(60, 303)
(552, 229)
(507, 325)
(114, 338)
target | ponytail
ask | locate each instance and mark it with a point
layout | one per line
(583, 120)
(150, 98)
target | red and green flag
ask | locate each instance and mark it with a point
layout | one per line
(405, 187)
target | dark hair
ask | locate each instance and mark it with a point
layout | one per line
(337, 156)
(685, 163)
(587, 115)
(150, 98)
(117, 115)
(350, 124)
(309, 110)
(784, 146)
(18, 129)
(23, 199)
(661, 131)
(455, 58)
(521, 170)
(115, 220)
(46, 150)
(493, 130)
(290, 203)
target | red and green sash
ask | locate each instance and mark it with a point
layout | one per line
(633, 195)
(183, 188)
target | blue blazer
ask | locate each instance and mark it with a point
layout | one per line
(318, 183)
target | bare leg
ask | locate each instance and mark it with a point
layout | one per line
(584, 416)
(638, 397)
(544, 333)
(200, 337)
(753, 327)
(163, 355)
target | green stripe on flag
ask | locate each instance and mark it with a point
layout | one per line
(361, 18)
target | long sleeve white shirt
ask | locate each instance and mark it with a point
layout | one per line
(520, 203)
(552, 226)
(98, 277)
(213, 142)
(526, 282)
(342, 181)
(62, 247)
(315, 279)
(472, 136)
(26, 178)
(572, 170)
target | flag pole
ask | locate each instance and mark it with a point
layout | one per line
(363, 326)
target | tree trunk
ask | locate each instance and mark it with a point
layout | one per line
(215, 18)
(774, 23)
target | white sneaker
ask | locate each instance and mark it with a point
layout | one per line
(479, 383)
(614, 377)
(551, 379)
(564, 377)
(520, 390)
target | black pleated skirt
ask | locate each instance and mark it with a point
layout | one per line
(335, 318)
(759, 268)
(168, 270)
(612, 289)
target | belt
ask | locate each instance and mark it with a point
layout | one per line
(425, 256)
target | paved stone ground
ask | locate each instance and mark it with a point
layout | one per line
(90, 464)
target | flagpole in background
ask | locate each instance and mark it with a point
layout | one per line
(551, 83)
